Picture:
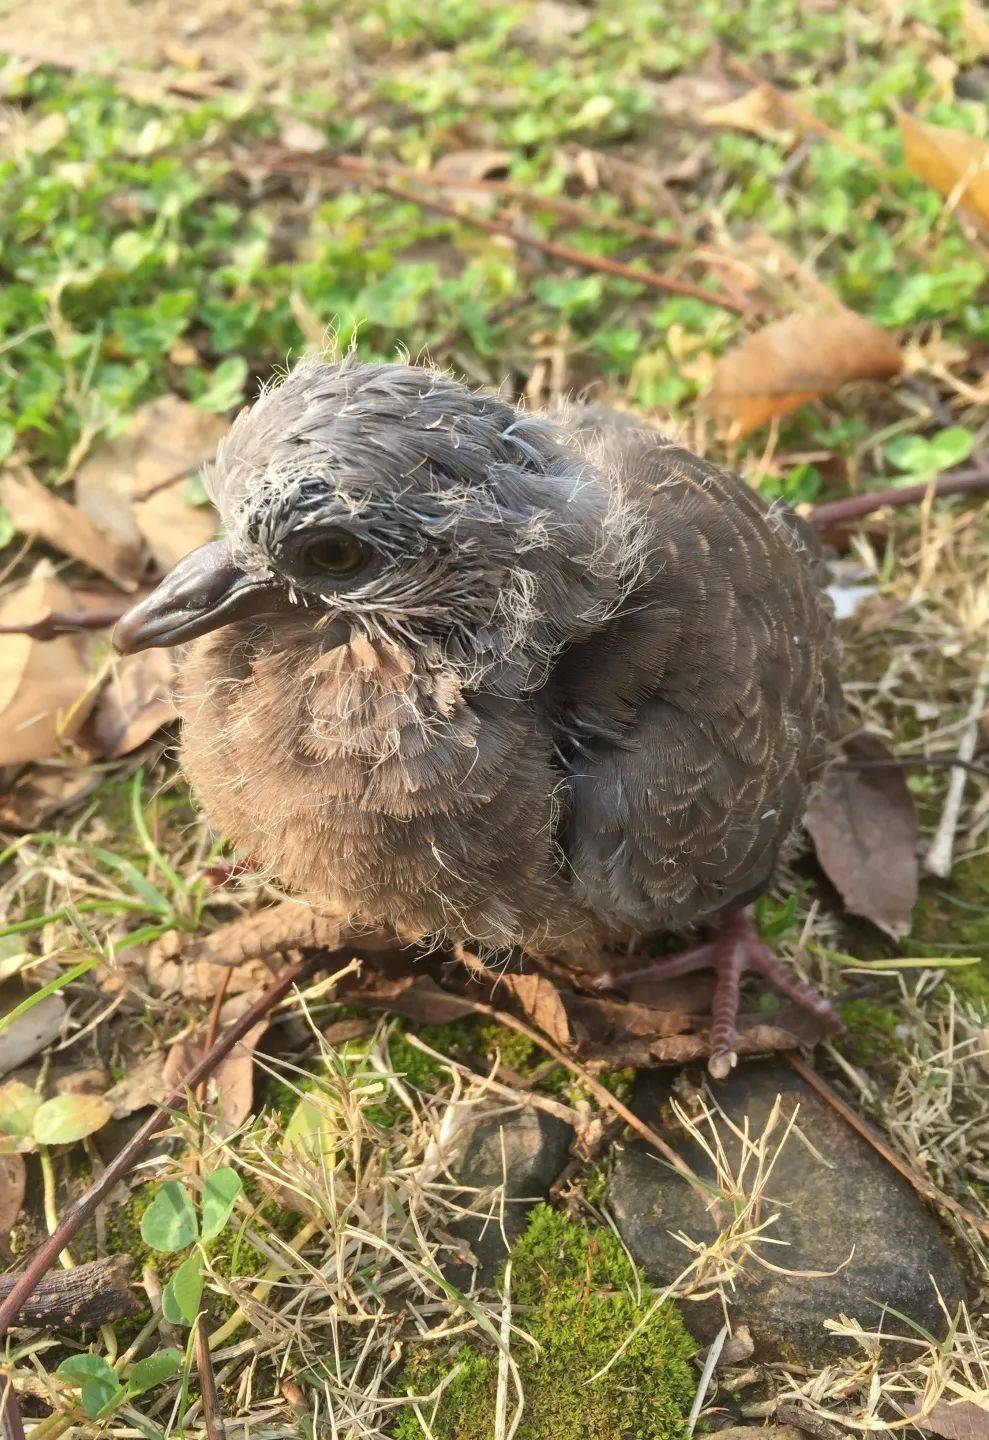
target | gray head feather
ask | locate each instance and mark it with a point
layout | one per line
(490, 535)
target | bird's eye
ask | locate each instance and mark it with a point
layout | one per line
(335, 552)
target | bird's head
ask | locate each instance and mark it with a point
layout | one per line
(392, 501)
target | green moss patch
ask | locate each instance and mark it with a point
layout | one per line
(871, 1030)
(579, 1296)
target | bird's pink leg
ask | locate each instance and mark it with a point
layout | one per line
(736, 947)
(684, 962)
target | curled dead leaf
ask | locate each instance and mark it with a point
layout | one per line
(864, 826)
(541, 1002)
(955, 163)
(975, 26)
(143, 1085)
(31, 1031)
(952, 1419)
(298, 134)
(132, 487)
(781, 367)
(470, 165)
(761, 111)
(13, 1180)
(46, 688)
(136, 701)
(43, 791)
(40, 514)
(230, 1089)
(417, 997)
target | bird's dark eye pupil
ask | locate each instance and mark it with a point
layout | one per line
(338, 553)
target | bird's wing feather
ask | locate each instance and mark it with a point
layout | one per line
(693, 723)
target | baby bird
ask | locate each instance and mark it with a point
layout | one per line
(500, 678)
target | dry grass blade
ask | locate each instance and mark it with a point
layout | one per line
(46, 690)
(876, 1391)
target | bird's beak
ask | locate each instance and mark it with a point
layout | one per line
(205, 590)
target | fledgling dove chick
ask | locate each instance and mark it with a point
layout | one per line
(498, 678)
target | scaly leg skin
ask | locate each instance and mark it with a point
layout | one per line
(735, 947)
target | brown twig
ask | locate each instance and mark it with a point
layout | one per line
(366, 175)
(600, 1092)
(78, 1299)
(957, 482)
(916, 762)
(213, 1420)
(66, 622)
(212, 1026)
(923, 1186)
(11, 1424)
(125, 1159)
(283, 157)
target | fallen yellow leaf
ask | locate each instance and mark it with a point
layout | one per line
(780, 368)
(46, 687)
(40, 513)
(761, 111)
(953, 162)
(134, 484)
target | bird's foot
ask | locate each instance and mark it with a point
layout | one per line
(735, 947)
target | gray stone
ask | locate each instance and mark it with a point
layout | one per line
(849, 1198)
(524, 1151)
(973, 83)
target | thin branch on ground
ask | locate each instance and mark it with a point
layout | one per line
(957, 482)
(600, 1092)
(127, 1158)
(601, 263)
(88, 1295)
(212, 1419)
(920, 1184)
(67, 622)
(284, 157)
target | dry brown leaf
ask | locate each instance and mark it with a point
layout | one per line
(43, 791)
(172, 527)
(760, 111)
(343, 1030)
(952, 162)
(781, 367)
(46, 688)
(142, 1086)
(13, 1179)
(470, 165)
(417, 997)
(230, 1089)
(297, 134)
(30, 1032)
(136, 701)
(21, 136)
(864, 826)
(40, 514)
(959, 1420)
(542, 1003)
(550, 23)
(685, 96)
(118, 485)
(597, 1019)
